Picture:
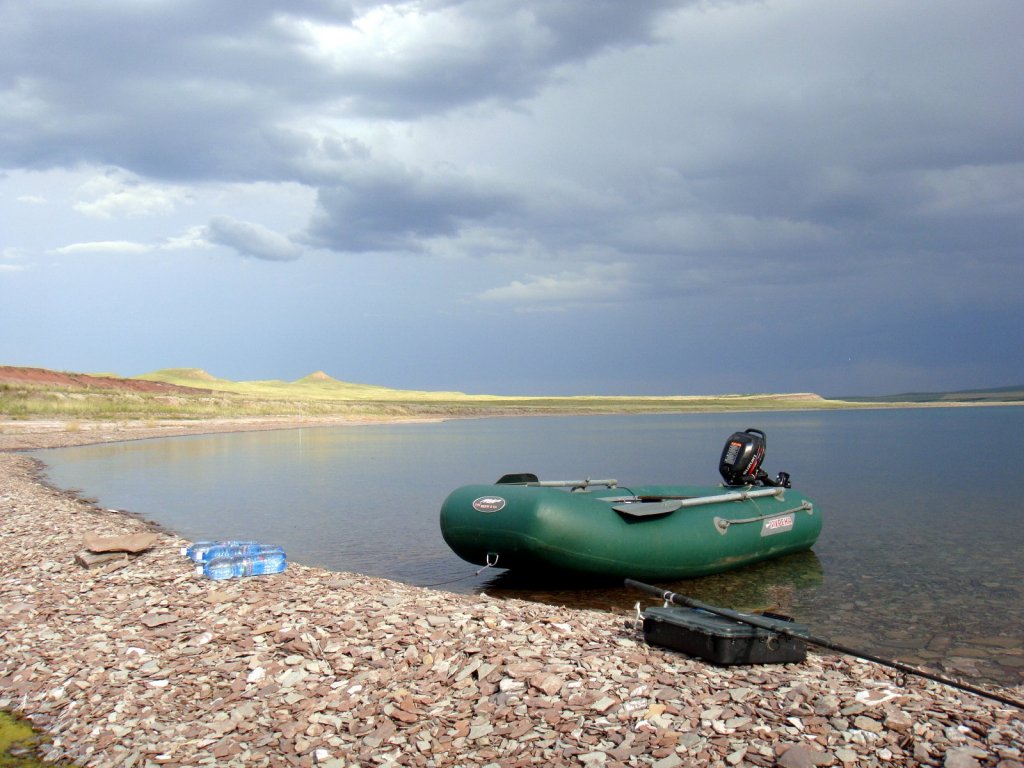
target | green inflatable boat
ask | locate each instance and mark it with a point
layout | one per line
(658, 532)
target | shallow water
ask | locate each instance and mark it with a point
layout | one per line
(919, 557)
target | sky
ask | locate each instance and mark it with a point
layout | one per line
(521, 197)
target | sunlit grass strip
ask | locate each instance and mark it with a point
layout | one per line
(35, 402)
(323, 387)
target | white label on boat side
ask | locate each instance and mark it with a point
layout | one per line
(779, 524)
(488, 504)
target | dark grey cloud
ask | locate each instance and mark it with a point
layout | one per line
(399, 210)
(170, 90)
(214, 91)
(850, 173)
(505, 50)
(806, 137)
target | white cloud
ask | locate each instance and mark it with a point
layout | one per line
(13, 254)
(103, 246)
(590, 284)
(193, 237)
(31, 199)
(973, 189)
(115, 194)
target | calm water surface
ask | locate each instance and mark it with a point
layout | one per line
(920, 557)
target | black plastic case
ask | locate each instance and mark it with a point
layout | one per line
(720, 640)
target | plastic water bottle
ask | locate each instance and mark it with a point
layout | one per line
(200, 548)
(237, 550)
(243, 565)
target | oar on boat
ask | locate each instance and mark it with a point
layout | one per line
(677, 599)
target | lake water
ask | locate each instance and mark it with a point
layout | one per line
(921, 556)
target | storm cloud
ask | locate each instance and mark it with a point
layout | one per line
(852, 173)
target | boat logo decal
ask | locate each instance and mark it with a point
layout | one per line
(488, 504)
(779, 524)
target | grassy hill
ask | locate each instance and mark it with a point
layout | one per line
(321, 386)
(315, 386)
(192, 393)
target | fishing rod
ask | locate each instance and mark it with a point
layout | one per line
(677, 599)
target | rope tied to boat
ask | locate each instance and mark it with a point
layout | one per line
(722, 524)
(490, 562)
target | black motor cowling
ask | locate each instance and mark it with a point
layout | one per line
(742, 458)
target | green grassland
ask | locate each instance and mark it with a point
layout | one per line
(202, 396)
(316, 386)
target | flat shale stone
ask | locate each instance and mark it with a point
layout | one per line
(800, 756)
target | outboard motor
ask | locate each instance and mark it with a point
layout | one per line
(741, 461)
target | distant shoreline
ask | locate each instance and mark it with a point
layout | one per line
(35, 434)
(176, 398)
(41, 433)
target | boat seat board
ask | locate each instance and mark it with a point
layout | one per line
(647, 508)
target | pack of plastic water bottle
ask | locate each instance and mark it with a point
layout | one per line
(234, 559)
(202, 551)
(243, 565)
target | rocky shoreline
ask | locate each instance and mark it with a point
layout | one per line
(143, 663)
